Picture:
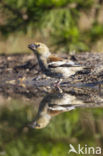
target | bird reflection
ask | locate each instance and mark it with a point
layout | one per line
(56, 102)
(52, 105)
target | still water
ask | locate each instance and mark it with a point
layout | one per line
(44, 121)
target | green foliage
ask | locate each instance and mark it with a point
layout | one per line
(56, 19)
(96, 32)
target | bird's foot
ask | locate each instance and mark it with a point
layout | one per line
(57, 86)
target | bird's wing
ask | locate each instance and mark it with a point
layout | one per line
(54, 62)
(53, 58)
(61, 108)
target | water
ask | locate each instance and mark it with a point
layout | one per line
(42, 121)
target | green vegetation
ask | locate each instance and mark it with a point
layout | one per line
(65, 25)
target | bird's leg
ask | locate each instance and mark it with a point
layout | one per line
(57, 85)
(59, 89)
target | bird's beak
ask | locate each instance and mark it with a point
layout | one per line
(32, 46)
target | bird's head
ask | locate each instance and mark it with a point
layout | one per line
(39, 49)
(40, 123)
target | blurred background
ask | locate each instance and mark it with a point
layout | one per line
(65, 26)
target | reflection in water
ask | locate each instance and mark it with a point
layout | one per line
(52, 102)
(80, 126)
(55, 103)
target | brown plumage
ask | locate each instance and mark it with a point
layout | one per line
(52, 58)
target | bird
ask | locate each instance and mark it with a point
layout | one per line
(54, 66)
(53, 104)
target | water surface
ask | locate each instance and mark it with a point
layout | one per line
(44, 120)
